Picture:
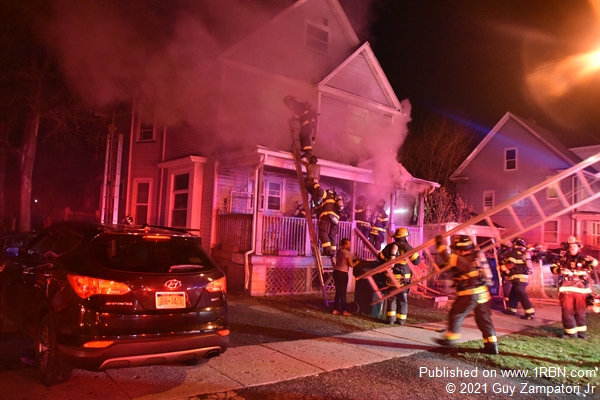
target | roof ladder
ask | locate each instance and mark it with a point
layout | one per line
(587, 194)
(326, 282)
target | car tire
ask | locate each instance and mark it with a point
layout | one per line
(52, 369)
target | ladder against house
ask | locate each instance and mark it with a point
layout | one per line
(324, 269)
(587, 192)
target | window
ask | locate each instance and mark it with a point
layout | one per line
(595, 233)
(510, 159)
(551, 193)
(142, 202)
(273, 194)
(316, 37)
(179, 211)
(357, 123)
(488, 199)
(146, 132)
(551, 231)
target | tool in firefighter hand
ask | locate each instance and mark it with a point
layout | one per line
(571, 175)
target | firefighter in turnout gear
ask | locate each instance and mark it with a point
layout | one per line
(306, 118)
(328, 221)
(397, 306)
(518, 262)
(575, 287)
(471, 277)
(362, 215)
(505, 273)
(379, 225)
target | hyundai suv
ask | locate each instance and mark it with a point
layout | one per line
(96, 296)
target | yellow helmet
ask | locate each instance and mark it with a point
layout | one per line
(400, 233)
(573, 240)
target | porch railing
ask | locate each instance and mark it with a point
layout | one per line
(287, 235)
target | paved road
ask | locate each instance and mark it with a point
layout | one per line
(275, 359)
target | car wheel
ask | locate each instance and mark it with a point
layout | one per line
(52, 369)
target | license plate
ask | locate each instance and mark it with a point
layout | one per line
(170, 300)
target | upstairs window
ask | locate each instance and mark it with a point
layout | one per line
(146, 132)
(317, 37)
(551, 231)
(510, 159)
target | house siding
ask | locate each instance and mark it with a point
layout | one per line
(535, 164)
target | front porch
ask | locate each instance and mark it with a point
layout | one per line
(279, 260)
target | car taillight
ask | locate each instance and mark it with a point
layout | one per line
(86, 286)
(218, 285)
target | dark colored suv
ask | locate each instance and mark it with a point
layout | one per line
(96, 296)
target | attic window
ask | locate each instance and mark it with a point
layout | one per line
(316, 37)
(510, 159)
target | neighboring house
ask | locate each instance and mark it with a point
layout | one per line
(230, 174)
(515, 156)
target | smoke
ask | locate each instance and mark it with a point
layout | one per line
(162, 54)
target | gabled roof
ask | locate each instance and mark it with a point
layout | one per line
(545, 136)
(336, 9)
(375, 87)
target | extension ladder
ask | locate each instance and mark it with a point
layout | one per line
(521, 226)
(325, 282)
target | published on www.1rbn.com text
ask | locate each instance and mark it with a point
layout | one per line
(516, 382)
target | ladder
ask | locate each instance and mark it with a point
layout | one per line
(588, 194)
(326, 283)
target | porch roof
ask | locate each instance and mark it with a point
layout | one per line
(285, 160)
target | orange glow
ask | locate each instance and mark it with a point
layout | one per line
(157, 237)
(223, 332)
(100, 344)
(219, 285)
(554, 79)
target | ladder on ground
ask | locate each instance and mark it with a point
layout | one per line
(325, 282)
(587, 193)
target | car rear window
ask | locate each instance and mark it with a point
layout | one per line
(141, 254)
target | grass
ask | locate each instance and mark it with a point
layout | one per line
(541, 347)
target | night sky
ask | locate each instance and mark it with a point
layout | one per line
(474, 60)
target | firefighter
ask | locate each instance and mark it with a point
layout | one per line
(505, 273)
(402, 273)
(362, 215)
(471, 277)
(328, 221)
(575, 287)
(303, 115)
(518, 262)
(300, 211)
(379, 225)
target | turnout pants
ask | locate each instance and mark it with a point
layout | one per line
(305, 140)
(328, 235)
(518, 294)
(574, 306)
(462, 306)
(397, 307)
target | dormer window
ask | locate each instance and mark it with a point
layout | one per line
(317, 37)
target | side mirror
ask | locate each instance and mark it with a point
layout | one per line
(12, 252)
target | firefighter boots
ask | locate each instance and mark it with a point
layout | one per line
(490, 348)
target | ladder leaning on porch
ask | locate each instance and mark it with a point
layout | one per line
(589, 188)
(314, 241)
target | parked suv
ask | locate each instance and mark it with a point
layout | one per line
(96, 296)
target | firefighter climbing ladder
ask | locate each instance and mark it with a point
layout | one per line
(587, 193)
(314, 242)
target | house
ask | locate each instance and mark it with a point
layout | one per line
(228, 172)
(516, 155)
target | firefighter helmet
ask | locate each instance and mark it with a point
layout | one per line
(289, 100)
(361, 199)
(380, 203)
(400, 233)
(519, 242)
(573, 240)
(462, 243)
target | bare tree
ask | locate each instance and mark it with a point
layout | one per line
(441, 206)
(434, 150)
(34, 101)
